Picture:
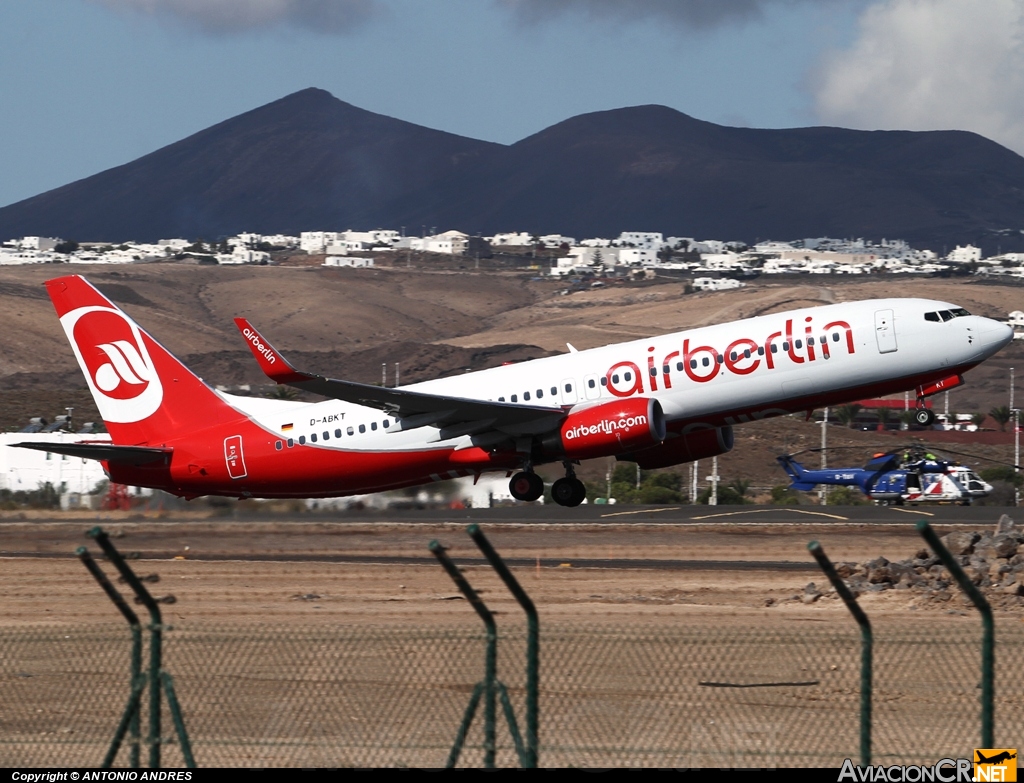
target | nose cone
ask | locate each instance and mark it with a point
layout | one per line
(994, 335)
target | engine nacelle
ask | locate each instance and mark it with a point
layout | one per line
(684, 448)
(608, 429)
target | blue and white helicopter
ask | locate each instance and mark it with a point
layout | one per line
(910, 475)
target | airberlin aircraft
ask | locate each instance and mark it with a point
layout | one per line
(660, 401)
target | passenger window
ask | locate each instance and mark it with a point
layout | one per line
(526, 396)
(387, 423)
(554, 389)
(604, 380)
(785, 346)
(337, 433)
(932, 317)
(302, 440)
(290, 442)
(540, 393)
(327, 435)
(654, 371)
(810, 341)
(515, 398)
(362, 428)
(665, 369)
(760, 350)
(501, 399)
(705, 361)
(628, 376)
(799, 344)
(746, 353)
(278, 445)
(720, 358)
(568, 387)
(373, 426)
(775, 348)
(835, 337)
(591, 383)
(615, 378)
(679, 366)
(312, 437)
(350, 431)
(732, 356)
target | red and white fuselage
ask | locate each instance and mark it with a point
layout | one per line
(662, 400)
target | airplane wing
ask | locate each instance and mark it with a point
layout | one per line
(455, 416)
(108, 452)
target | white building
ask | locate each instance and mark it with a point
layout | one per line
(967, 254)
(38, 243)
(349, 261)
(557, 240)
(716, 284)
(643, 239)
(25, 470)
(515, 239)
(638, 256)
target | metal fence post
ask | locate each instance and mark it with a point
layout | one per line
(988, 642)
(531, 749)
(866, 648)
(155, 639)
(132, 711)
(490, 665)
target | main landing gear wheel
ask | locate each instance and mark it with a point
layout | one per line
(923, 417)
(526, 486)
(568, 492)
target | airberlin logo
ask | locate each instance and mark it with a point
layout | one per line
(254, 338)
(703, 363)
(125, 365)
(605, 427)
(115, 360)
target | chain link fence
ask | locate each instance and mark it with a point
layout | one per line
(642, 695)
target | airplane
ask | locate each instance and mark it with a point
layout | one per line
(658, 401)
(1003, 756)
(897, 477)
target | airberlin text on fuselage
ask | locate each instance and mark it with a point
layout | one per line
(254, 338)
(701, 363)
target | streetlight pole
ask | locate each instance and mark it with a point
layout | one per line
(823, 492)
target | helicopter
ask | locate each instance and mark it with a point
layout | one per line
(910, 475)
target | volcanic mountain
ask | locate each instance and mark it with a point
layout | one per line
(310, 161)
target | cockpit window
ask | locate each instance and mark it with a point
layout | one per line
(946, 315)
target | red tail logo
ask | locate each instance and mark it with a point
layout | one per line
(117, 364)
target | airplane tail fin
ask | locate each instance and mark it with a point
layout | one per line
(144, 394)
(796, 472)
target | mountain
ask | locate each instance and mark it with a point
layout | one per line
(651, 168)
(304, 162)
(310, 161)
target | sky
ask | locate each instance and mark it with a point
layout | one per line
(86, 85)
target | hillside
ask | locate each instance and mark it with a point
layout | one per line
(310, 161)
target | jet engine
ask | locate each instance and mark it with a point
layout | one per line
(684, 448)
(608, 429)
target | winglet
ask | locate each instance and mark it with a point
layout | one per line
(269, 359)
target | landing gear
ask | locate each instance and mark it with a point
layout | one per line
(568, 491)
(526, 485)
(924, 417)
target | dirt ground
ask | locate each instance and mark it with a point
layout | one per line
(302, 572)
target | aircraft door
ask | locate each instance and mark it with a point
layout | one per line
(592, 387)
(568, 391)
(885, 331)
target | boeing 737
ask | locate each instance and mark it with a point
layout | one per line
(659, 401)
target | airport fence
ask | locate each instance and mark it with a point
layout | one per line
(651, 694)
